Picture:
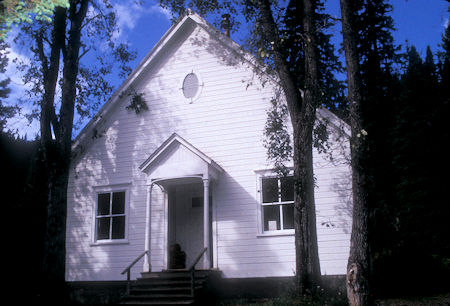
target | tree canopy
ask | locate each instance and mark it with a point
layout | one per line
(16, 12)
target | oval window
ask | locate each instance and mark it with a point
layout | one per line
(190, 86)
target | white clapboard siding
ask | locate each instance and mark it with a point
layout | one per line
(225, 123)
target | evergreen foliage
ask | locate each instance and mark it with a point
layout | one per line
(405, 106)
(332, 89)
(417, 216)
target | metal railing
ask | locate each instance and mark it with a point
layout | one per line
(192, 270)
(127, 269)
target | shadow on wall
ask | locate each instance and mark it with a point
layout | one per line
(114, 153)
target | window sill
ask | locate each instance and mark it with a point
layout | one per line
(277, 233)
(109, 242)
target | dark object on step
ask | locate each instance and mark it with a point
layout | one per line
(177, 259)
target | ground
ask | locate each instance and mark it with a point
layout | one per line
(443, 299)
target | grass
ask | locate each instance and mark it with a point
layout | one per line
(321, 300)
(443, 299)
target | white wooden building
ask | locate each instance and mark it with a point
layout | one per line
(192, 170)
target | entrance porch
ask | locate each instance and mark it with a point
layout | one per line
(186, 177)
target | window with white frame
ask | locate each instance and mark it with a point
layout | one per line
(110, 215)
(277, 197)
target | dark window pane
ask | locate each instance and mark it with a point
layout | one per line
(288, 216)
(118, 203)
(271, 217)
(287, 188)
(103, 204)
(197, 202)
(103, 228)
(270, 190)
(118, 227)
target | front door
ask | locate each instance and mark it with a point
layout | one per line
(186, 220)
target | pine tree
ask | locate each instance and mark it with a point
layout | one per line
(418, 136)
(332, 89)
(358, 266)
(379, 88)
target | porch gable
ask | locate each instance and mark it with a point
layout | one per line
(176, 157)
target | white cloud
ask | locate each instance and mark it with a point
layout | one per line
(129, 13)
(160, 10)
(18, 95)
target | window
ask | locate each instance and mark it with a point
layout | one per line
(110, 216)
(190, 86)
(277, 203)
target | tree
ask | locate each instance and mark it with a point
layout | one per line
(417, 213)
(379, 93)
(15, 12)
(5, 111)
(302, 111)
(62, 86)
(358, 267)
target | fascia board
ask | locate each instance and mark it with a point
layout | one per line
(336, 122)
(167, 143)
(188, 20)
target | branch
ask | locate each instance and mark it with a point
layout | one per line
(293, 97)
(88, 20)
(78, 17)
(53, 119)
(85, 50)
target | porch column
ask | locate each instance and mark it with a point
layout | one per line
(206, 234)
(148, 215)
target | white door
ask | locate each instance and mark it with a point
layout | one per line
(188, 220)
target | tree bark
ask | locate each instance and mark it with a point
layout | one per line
(358, 267)
(302, 114)
(311, 100)
(57, 146)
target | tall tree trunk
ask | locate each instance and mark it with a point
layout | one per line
(57, 147)
(311, 100)
(302, 114)
(55, 234)
(358, 267)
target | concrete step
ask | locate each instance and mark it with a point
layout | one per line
(159, 298)
(147, 291)
(185, 302)
(172, 287)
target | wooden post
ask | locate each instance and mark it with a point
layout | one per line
(148, 215)
(206, 258)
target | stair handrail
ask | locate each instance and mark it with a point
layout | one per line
(127, 269)
(192, 271)
(197, 259)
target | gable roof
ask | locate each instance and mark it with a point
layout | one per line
(188, 21)
(184, 23)
(175, 138)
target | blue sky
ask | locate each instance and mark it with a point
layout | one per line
(420, 22)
